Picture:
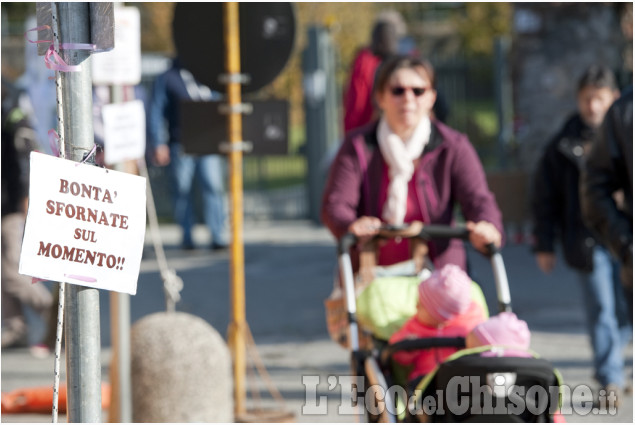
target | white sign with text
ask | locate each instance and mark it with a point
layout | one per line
(121, 65)
(124, 131)
(85, 225)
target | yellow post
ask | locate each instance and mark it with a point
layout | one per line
(237, 326)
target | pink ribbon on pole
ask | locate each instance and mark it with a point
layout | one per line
(55, 62)
(43, 27)
(82, 278)
(53, 141)
(52, 59)
(88, 155)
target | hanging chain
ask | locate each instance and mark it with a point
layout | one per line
(60, 306)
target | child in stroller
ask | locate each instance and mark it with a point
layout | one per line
(500, 343)
(504, 333)
(445, 308)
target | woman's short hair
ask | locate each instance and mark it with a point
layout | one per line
(392, 64)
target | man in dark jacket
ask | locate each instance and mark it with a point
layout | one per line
(556, 212)
(609, 168)
(169, 89)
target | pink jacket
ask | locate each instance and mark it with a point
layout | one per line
(448, 173)
(424, 361)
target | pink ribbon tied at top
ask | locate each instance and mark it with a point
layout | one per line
(52, 59)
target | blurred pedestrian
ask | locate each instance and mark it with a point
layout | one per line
(609, 169)
(556, 214)
(407, 167)
(388, 28)
(169, 89)
(388, 38)
(18, 140)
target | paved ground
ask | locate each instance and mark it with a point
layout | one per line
(289, 271)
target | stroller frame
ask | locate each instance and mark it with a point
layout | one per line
(372, 363)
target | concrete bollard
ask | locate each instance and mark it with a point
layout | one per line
(181, 371)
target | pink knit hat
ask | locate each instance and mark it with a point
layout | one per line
(503, 329)
(446, 293)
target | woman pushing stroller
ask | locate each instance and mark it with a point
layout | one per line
(404, 168)
(409, 167)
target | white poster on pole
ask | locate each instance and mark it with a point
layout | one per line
(85, 225)
(121, 65)
(124, 131)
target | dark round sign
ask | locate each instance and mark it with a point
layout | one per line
(267, 34)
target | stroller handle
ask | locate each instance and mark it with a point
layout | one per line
(437, 231)
(345, 243)
(426, 232)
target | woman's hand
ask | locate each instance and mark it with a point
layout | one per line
(365, 228)
(482, 234)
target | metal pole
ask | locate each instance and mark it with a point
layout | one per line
(83, 362)
(121, 402)
(321, 111)
(121, 409)
(502, 93)
(237, 265)
(120, 336)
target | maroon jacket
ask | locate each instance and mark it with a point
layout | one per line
(449, 172)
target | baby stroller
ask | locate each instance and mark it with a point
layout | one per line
(467, 387)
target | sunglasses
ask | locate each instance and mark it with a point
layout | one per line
(400, 91)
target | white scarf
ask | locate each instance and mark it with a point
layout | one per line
(400, 155)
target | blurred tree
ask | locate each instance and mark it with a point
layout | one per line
(18, 11)
(156, 26)
(479, 23)
(350, 25)
(625, 11)
(14, 15)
